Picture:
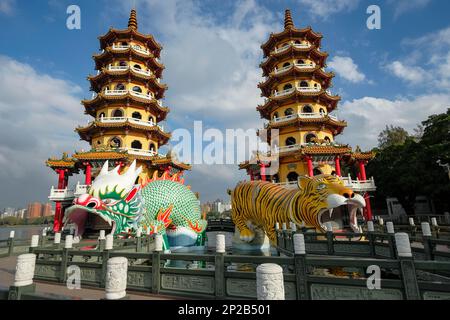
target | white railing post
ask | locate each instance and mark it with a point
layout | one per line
(390, 227)
(426, 230)
(434, 222)
(109, 242)
(403, 245)
(269, 282)
(220, 243)
(57, 239)
(12, 234)
(34, 241)
(116, 278)
(26, 264)
(68, 244)
(158, 243)
(370, 227)
(299, 244)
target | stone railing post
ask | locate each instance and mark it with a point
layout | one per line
(447, 217)
(435, 226)
(57, 240)
(407, 268)
(156, 264)
(116, 278)
(371, 237)
(23, 278)
(219, 266)
(269, 282)
(300, 267)
(44, 236)
(391, 239)
(68, 244)
(330, 240)
(12, 234)
(138, 239)
(426, 236)
(412, 226)
(34, 243)
(109, 245)
(101, 240)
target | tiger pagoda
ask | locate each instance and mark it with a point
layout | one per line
(127, 114)
(299, 105)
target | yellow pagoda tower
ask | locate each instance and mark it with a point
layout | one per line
(127, 113)
(300, 106)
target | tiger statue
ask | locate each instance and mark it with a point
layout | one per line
(262, 204)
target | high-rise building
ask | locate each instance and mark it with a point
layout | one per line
(46, 210)
(34, 210)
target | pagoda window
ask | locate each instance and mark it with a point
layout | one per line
(276, 115)
(310, 137)
(117, 113)
(291, 141)
(327, 139)
(317, 172)
(286, 64)
(304, 84)
(307, 109)
(102, 115)
(152, 147)
(136, 145)
(276, 179)
(322, 112)
(115, 143)
(136, 66)
(292, 177)
(123, 63)
(297, 42)
(151, 120)
(137, 89)
(287, 86)
(289, 112)
(120, 86)
(301, 61)
(136, 115)
(124, 43)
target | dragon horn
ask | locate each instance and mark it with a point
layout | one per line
(104, 168)
(155, 175)
(175, 177)
(116, 170)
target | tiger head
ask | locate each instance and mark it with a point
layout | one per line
(321, 195)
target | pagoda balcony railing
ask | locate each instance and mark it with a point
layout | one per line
(355, 185)
(360, 185)
(284, 92)
(308, 89)
(141, 95)
(291, 90)
(284, 149)
(133, 120)
(122, 47)
(303, 115)
(61, 194)
(291, 44)
(140, 152)
(137, 70)
(124, 92)
(298, 65)
(81, 189)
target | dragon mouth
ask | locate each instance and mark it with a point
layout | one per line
(354, 205)
(78, 215)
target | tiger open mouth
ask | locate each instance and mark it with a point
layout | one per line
(355, 205)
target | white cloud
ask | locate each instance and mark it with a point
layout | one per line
(404, 6)
(346, 68)
(367, 116)
(37, 116)
(410, 74)
(7, 6)
(326, 8)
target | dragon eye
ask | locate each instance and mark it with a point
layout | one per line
(109, 202)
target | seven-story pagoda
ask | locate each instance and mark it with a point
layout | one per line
(299, 105)
(127, 111)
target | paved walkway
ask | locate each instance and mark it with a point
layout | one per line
(7, 271)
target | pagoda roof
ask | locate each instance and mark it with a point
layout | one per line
(65, 162)
(109, 53)
(296, 72)
(102, 100)
(294, 52)
(130, 33)
(329, 149)
(102, 79)
(168, 161)
(259, 158)
(329, 101)
(95, 126)
(101, 155)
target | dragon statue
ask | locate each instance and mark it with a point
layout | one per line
(158, 206)
(259, 204)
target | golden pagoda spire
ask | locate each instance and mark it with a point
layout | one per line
(132, 23)
(288, 23)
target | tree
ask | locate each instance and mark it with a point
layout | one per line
(392, 136)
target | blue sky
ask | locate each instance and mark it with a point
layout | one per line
(397, 75)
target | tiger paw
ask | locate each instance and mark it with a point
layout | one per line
(247, 235)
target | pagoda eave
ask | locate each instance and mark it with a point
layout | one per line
(336, 125)
(290, 33)
(102, 99)
(126, 34)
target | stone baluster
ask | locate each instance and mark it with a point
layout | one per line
(269, 282)
(426, 236)
(23, 277)
(407, 268)
(116, 278)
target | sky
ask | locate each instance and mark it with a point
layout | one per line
(397, 75)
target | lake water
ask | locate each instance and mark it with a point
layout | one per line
(21, 232)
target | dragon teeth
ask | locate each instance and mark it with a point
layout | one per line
(331, 212)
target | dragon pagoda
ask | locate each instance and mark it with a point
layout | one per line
(299, 105)
(127, 114)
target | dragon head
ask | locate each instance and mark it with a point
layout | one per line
(114, 197)
(326, 199)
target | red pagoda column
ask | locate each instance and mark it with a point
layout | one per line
(362, 170)
(368, 208)
(337, 165)
(88, 180)
(61, 178)
(263, 171)
(310, 166)
(58, 205)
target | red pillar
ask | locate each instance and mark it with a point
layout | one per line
(263, 171)
(362, 170)
(57, 223)
(88, 180)
(310, 166)
(61, 178)
(368, 208)
(337, 165)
